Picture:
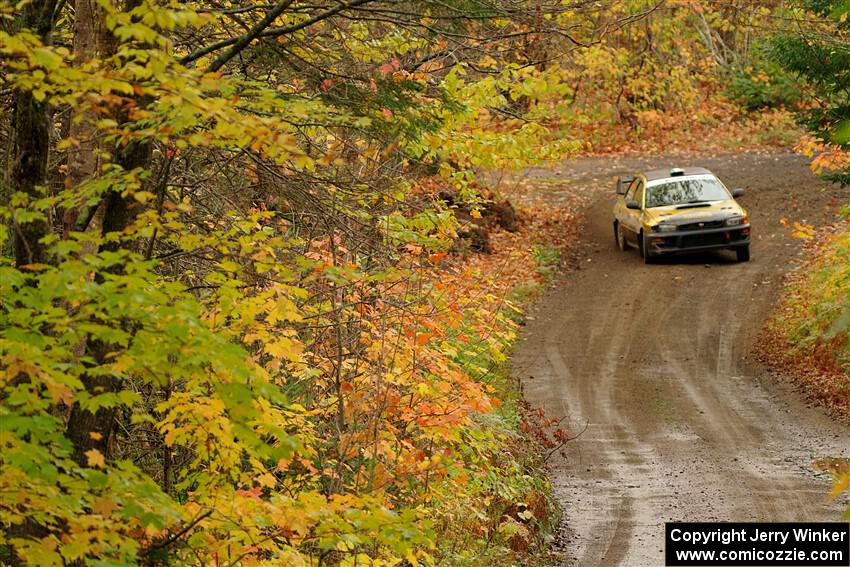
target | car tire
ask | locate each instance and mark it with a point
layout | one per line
(648, 258)
(619, 237)
(743, 253)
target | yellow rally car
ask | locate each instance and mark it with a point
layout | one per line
(679, 210)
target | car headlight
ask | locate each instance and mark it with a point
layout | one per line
(665, 227)
(735, 221)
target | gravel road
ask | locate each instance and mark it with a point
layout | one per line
(654, 360)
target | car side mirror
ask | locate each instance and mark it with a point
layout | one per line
(634, 205)
(737, 193)
(623, 182)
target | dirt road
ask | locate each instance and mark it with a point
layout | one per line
(654, 359)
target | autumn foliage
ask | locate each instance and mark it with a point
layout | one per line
(230, 333)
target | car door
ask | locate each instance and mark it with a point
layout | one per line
(631, 218)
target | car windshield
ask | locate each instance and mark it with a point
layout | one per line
(691, 189)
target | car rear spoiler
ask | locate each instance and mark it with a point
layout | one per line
(623, 183)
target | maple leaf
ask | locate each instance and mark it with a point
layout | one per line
(104, 506)
(95, 458)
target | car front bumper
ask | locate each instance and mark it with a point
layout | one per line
(695, 240)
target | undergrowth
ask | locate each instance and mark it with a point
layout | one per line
(809, 335)
(509, 507)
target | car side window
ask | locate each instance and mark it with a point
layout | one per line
(639, 192)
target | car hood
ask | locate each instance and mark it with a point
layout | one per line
(712, 211)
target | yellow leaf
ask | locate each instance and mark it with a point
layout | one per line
(283, 347)
(95, 458)
(841, 484)
(268, 480)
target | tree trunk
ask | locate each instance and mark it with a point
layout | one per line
(116, 212)
(92, 41)
(31, 140)
(29, 173)
(119, 212)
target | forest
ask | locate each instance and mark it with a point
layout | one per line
(259, 281)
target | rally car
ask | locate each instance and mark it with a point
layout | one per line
(679, 210)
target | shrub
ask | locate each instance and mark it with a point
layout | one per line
(762, 83)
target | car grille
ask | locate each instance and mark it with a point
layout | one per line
(704, 239)
(701, 225)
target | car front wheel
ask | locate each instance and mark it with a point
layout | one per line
(648, 258)
(743, 253)
(619, 238)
